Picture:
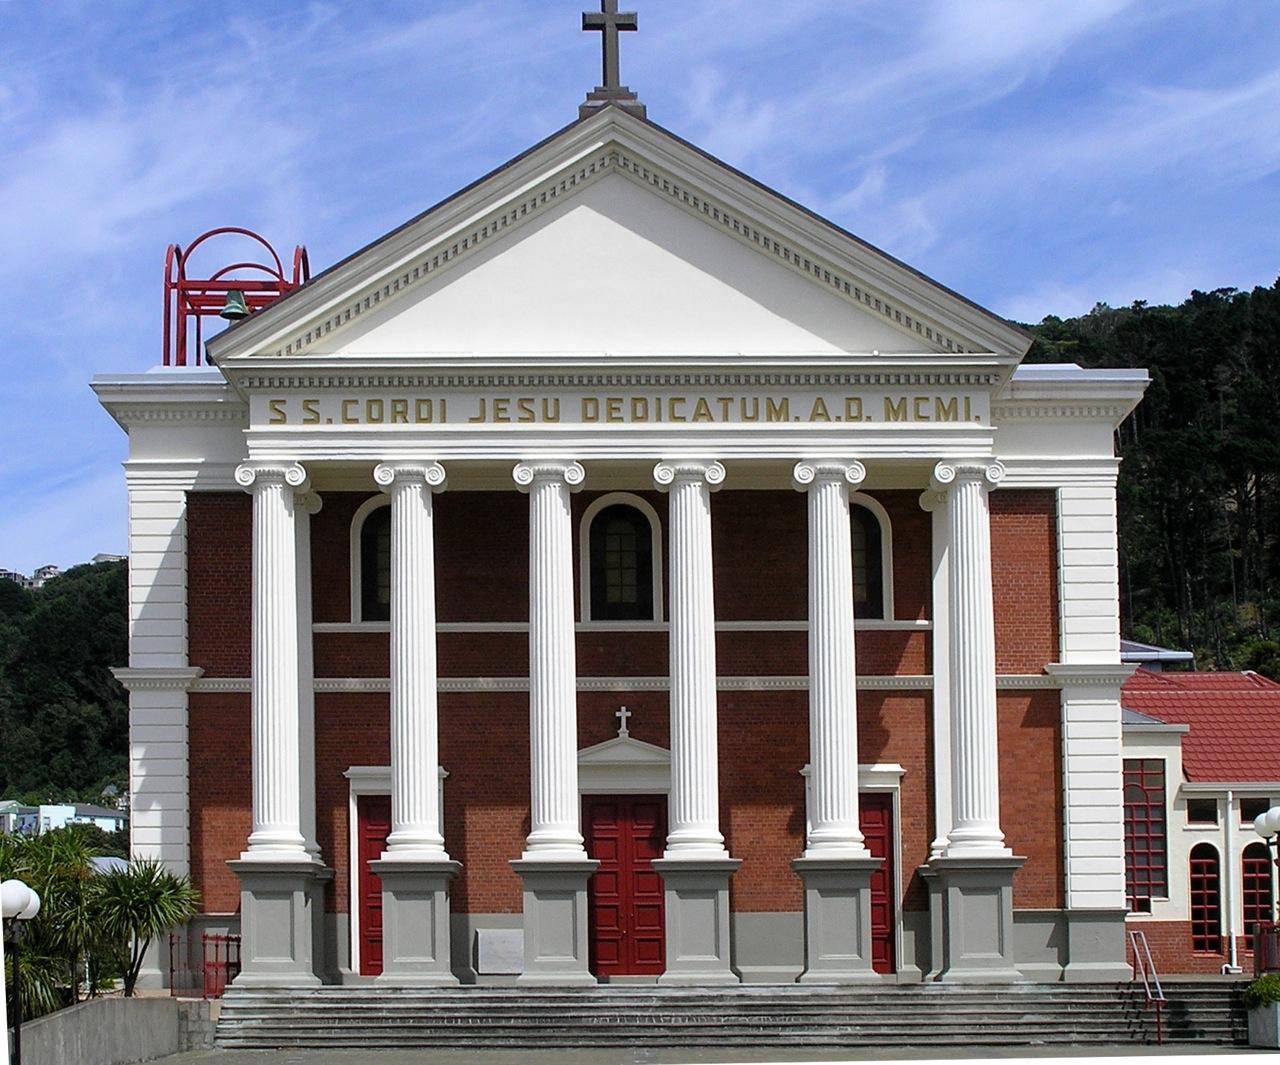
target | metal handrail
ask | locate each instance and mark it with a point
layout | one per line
(1144, 969)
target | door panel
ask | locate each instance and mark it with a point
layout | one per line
(625, 900)
(373, 815)
(875, 817)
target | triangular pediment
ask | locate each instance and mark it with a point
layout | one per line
(614, 236)
(624, 750)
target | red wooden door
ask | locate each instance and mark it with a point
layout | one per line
(875, 817)
(625, 905)
(373, 813)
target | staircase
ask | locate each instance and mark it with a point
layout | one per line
(362, 1017)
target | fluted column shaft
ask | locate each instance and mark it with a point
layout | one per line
(695, 781)
(415, 745)
(306, 505)
(975, 829)
(833, 704)
(554, 829)
(276, 830)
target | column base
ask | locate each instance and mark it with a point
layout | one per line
(555, 922)
(1096, 948)
(415, 921)
(837, 920)
(696, 895)
(281, 921)
(971, 914)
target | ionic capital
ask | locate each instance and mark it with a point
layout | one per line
(554, 471)
(989, 473)
(262, 473)
(817, 471)
(932, 499)
(669, 471)
(392, 475)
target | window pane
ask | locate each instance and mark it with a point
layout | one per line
(621, 564)
(1145, 849)
(868, 576)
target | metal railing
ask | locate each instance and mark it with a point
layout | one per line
(1266, 948)
(1144, 969)
(208, 976)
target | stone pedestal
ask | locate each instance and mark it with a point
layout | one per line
(555, 922)
(837, 919)
(281, 921)
(415, 922)
(696, 893)
(971, 919)
(1096, 950)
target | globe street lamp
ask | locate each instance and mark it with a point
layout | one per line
(17, 903)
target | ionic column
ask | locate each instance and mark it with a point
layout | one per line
(833, 704)
(277, 832)
(554, 868)
(975, 781)
(281, 879)
(415, 748)
(695, 781)
(553, 681)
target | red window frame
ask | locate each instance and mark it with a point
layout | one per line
(1146, 851)
(1206, 900)
(1255, 889)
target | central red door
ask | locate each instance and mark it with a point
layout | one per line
(875, 818)
(625, 833)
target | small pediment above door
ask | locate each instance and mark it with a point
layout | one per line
(624, 765)
(624, 750)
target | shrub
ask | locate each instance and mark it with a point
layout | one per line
(1263, 991)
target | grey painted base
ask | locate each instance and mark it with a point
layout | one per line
(281, 922)
(971, 919)
(555, 922)
(696, 894)
(837, 920)
(1096, 947)
(415, 922)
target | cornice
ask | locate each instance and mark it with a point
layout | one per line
(590, 684)
(158, 678)
(1105, 674)
(348, 373)
(1006, 411)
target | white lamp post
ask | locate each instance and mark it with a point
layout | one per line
(17, 902)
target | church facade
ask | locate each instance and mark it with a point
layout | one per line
(620, 573)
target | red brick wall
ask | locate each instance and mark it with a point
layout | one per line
(1031, 793)
(1170, 943)
(221, 794)
(1024, 578)
(219, 580)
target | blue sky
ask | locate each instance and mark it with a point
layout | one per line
(1037, 156)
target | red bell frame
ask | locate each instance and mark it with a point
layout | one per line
(187, 298)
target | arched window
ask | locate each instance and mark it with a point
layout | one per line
(1206, 900)
(1255, 881)
(620, 579)
(868, 563)
(373, 551)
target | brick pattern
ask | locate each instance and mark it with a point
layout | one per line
(1170, 943)
(1024, 579)
(221, 794)
(1031, 793)
(219, 579)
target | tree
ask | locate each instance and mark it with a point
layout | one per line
(138, 904)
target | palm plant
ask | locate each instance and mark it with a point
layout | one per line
(139, 903)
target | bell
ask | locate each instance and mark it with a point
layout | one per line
(235, 308)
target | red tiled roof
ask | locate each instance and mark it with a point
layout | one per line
(1234, 719)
